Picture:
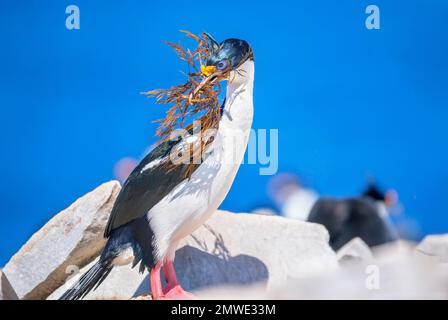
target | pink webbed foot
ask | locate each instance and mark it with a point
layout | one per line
(177, 293)
(172, 289)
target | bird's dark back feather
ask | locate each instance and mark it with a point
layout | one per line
(143, 189)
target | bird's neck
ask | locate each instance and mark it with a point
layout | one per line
(236, 120)
(238, 109)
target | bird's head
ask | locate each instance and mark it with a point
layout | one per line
(225, 57)
(389, 198)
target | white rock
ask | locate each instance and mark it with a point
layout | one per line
(393, 273)
(233, 263)
(234, 249)
(6, 290)
(436, 246)
(354, 251)
(249, 248)
(69, 240)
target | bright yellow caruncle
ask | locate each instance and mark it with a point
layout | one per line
(207, 70)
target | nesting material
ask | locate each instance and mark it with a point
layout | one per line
(192, 102)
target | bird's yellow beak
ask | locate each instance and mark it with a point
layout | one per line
(208, 70)
(211, 76)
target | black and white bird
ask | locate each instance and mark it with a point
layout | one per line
(365, 216)
(156, 207)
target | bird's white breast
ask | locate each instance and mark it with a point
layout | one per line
(192, 202)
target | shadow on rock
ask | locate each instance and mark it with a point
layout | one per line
(197, 269)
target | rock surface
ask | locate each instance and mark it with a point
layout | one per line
(394, 272)
(233, 249)
(6, 291)
(436, 246)
(354, 250)
(69, 240)
(233, 256)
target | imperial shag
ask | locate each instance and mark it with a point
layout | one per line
(156, 207)
(365, 216)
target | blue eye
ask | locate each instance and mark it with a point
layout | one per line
(222, 65)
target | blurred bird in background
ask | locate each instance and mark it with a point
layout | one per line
(366, 216)
(293, 199)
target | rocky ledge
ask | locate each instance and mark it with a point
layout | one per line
(231, 256)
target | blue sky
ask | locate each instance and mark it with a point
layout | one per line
(347, 101)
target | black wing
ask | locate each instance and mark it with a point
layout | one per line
(143, 189)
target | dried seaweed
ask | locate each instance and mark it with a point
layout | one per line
(185, 105)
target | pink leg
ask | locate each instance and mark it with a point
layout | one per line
(169, 274)
(155, 282)
(173, 290)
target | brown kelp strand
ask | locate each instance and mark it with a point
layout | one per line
(187, 107)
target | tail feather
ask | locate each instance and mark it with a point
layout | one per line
(88, 281)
